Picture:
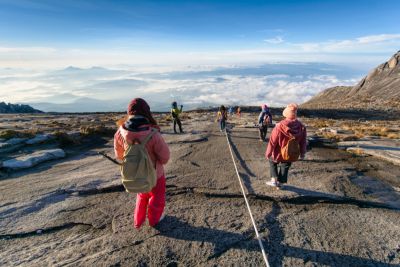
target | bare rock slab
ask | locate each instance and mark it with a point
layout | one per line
(40, 138)
(383, 149)
(33, 159)
(11, 144)
(187, 138)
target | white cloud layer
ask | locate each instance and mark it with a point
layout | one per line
(101, 89)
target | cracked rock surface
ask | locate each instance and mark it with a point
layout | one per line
(74, 212)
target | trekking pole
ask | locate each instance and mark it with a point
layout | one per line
(108, 157)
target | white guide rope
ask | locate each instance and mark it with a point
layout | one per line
(247, 203)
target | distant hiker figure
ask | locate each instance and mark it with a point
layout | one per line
(222, 117)
(175, 111)
(238, 112)
(140, 129)
(286, 144)
(264, 119)
(230, 110)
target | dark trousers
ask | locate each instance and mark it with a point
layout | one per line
(263, 132)
(177, 121)
(222, 124)
(279, 170)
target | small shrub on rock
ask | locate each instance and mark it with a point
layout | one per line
(97, 130)
(350, 138)
(8, 134)
(64, 139)
(331, 136)
(394, 135)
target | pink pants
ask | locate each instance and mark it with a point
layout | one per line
(155, 200)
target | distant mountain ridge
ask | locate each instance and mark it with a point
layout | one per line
(17, 108)
(380, 89)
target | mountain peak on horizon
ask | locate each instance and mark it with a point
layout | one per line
(379, 89)
(97, 68)
(17, 108)
(72, 68)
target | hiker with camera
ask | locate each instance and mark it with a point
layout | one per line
(143, 152)
(287, 144)
(175, 112)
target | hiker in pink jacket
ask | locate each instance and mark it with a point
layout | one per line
(280, 136)
(138, 125)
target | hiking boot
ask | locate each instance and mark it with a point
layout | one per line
(279, 186)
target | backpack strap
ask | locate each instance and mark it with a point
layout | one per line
(134, 142)
(147, 139)
(125, 142)
(291, 136)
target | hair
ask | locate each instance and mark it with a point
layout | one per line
(222, 108)
(122, 120)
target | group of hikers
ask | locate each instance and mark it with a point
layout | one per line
(139, 145)
(222, 116)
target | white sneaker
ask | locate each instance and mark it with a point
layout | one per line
(162, 217)
(272, 183)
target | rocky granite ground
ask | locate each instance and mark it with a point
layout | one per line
(339, 209)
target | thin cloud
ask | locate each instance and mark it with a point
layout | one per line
(368, 43)
(275, 40)
(27, 49)
(271, 30)
(377, 38)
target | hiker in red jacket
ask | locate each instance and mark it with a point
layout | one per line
(280, 136)
(137, 126)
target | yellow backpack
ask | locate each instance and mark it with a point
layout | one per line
(137, 169)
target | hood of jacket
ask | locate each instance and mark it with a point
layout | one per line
(291, 127)
(136, 126)
(136, 123)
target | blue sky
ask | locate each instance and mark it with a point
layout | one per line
(59, 31)
(197, 52)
